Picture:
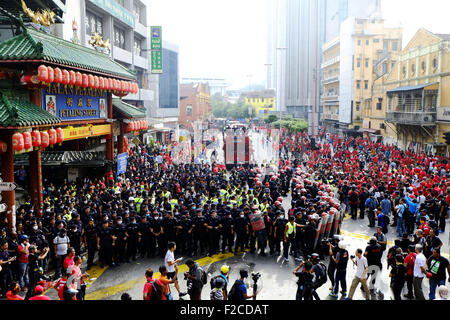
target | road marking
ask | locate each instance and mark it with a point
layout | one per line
(122, 287)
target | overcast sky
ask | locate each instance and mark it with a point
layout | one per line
(227, 38)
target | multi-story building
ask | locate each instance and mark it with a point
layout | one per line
(263, 102)
(352, 63)
(417, 99)
(195, 103)
(217, 85)
(124, 24)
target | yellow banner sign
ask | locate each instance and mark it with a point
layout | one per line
(71, 133)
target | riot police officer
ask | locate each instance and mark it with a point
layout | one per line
(279, 226)
(90, 242)
(105, 244)
(199, 232)
(119, 231)
(213, 229)
(242, 229)
(227, 230)
(131, 233)
(144, 237)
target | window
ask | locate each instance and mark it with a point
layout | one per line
(376, 40)
(394, 45)
(119, 38)
(435, 63)
(424, 66)
(137, 47)
(94, 24)
(189, 110)
(367, 42)
(358, 84)
(380, 104)
(385, 68)
(404, 71)
(358, 63)
(357, 106)
(366, 84)
(137, 11)
(367, 63)
(413, 68)
(359, 42)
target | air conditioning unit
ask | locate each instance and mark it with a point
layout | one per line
(382, 126)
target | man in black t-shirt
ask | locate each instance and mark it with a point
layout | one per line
(373, 253)
(437, 265)
(305, 285)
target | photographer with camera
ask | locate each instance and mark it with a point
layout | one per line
(238, 291)
(196, 279)
(305, 285)
(319, 270)
(340, 274)
(361, 274)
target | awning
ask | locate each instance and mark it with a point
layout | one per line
(66, 159)
(18, 112)
(127, 110)
(32, 45)
(428, 86)
(373, 131)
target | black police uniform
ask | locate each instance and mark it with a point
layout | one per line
(227, 231)
(132, 230)
(241, 229)
(213, 234)
(280, 224)
(200, 234)
(90, 238)
(120, 243)
(184, 238)
(105, 251)
(145, 242)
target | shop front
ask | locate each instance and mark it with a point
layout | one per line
(55, 109)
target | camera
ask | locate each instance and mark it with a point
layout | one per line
(185, 276)
(352, 257)
(256, 276)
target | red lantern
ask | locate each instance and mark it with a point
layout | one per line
(78, 79)
(17, 141)
(123, 85)
(65, 77)
(108, 83)
(35, 138)
(96, 82)
(43, 73)
(52, 136)
(72, 77)
(131, 126)
(139, 125)
(27, 140)
(29, 80)
(58, 75)
(3, 147)
(85, 82)
(101, 83)
(51, 74)
(91, 81)
(45, 140)
(125, 141)
(59, 135)
(3, 75)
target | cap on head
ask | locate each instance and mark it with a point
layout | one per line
(224, 269)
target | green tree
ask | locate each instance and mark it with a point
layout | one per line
(271, 118)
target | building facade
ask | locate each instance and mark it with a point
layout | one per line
(417, 98)
(263, 102)
(354, 67)
(195, 103)
(217, 85)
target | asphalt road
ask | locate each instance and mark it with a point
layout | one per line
(277, 281)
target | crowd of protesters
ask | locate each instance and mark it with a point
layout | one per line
(205, 209)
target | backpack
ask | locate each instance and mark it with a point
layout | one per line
(406, 213)
(216, 294)
(386, 221)
(322, 279)
(156, 293)
(234, 292)
(212, 282)
(204, 276)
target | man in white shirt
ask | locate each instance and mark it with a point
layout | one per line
(171, 264)
(419, 272)
(361, 274)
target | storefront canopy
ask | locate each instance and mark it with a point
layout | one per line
(36, 46)
(66, 159)
(18, 112)
(127, 110)
(427, 86)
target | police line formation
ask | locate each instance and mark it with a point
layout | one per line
(157, 206)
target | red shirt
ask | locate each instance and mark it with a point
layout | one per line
(22, 257)
(11, 296)
(409, 261)
(68, 262)
(43, 297)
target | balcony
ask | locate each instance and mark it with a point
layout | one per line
(330, 80)
(412, 118)
(332, 97)
(330, 62)
(329, 116)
